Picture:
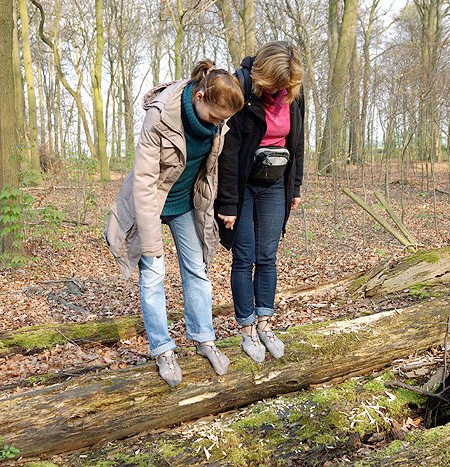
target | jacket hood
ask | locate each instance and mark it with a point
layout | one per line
(247, 62)
(150, 97)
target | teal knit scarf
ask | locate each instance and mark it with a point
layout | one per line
(199, 136)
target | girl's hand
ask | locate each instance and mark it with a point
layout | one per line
(227, 220)
(295, 202)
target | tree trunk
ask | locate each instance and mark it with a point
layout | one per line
(25, 157)
(7, 118)
(249, 27)
(8, 129)
(31, 96)
(62, 145)
(115, 404)
(179, 36)
(332, 134)
(354, 153)
(98, 99)
(44, 129)
(367, 33)
(231, 32)
(333, 34)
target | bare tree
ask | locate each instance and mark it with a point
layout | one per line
(97, 90)
(31, 96)
(333, 135)
(8, 133)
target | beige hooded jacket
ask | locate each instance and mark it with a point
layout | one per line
(134, 227)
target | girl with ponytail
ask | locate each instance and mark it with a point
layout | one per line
(174, 181)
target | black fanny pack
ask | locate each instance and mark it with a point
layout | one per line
(269, 163)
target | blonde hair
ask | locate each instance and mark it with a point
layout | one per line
(277, 65)
(220, 88)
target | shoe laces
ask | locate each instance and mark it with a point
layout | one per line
(254, 335)
(170, 360)
(268, 332)
(213, 347)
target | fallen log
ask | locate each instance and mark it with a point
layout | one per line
(35, 338)
(424, 268)
(115, 404)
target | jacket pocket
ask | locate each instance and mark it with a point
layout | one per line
(117, 230)
(169, 163)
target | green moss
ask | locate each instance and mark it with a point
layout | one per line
(246, 364)
(325, 345)
(40, 464)
(256, 420)
(307, 328)
(418, 290)
(427, 438)
(228, 342)
(405, 398)
(41, 337)
(424, 256)
(105, 330)
(170, 448)
(244, 447)
(330, 413)
(41, 379)
(244, 450)
(36, 339)
(142, 459)
(388, 452)
(357, 283)
(374, 385)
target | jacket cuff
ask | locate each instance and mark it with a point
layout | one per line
(296, 192)
(157, 252)
(230, 210)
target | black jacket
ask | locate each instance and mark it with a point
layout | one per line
(247, 129)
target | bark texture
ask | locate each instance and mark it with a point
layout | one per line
(36, 338)
(421, 268)
(112, 405)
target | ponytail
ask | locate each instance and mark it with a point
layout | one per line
(202, 69)
(220, 88)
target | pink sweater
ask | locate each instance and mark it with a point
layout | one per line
(278, 118)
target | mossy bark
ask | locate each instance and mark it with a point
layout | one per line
(116, 404)
(430, 267)
(48, 335)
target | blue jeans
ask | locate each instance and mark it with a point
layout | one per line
(253, 272)
(197, 289)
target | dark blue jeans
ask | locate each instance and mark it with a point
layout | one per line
(253, 272)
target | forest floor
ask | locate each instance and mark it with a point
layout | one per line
(328, 238)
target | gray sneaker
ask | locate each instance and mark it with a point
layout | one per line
(253, 348)
(169, 370)
(218, 360)
(271, 342)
